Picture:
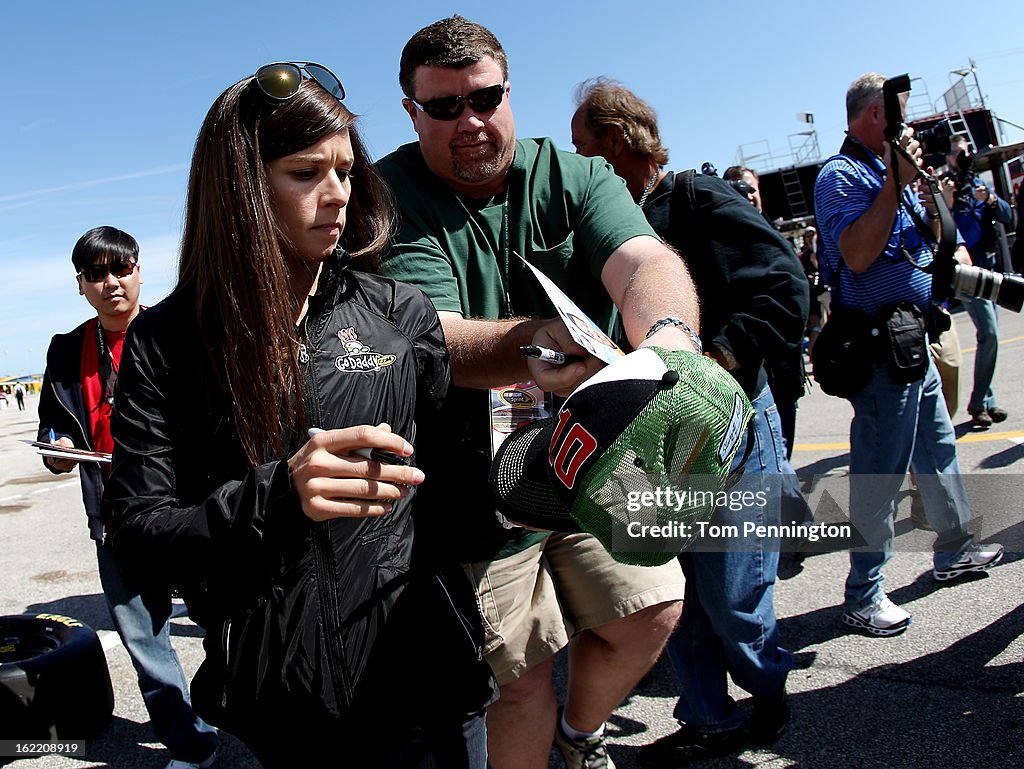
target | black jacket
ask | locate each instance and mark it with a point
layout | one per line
(308, 624)
(753, 293)
(62, 409)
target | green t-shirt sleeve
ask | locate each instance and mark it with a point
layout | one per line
(416, 260)
(415, 254)
(609, 216)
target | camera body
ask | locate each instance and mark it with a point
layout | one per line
(741, 187)
(965, 181)
(708, 169)
(891, 90)
(935, 140)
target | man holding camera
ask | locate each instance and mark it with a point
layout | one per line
(750, 178)
(870, 224)
(976, 208)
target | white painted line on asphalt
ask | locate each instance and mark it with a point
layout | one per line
(109, 639)
(28, 494)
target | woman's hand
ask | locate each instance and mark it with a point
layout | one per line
(332, 481)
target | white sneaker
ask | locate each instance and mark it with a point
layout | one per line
(178, 608)
(882, 618)
(179, 764)
(974, 558)
(592, 754)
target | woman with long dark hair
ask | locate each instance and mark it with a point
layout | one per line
(265, 420)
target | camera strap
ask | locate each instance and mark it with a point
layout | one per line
(943, 248)
(943, 259)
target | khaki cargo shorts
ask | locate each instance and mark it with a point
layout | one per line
(533, 601)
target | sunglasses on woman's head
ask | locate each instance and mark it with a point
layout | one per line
(451, 107)
(281, 80)
(97, 272)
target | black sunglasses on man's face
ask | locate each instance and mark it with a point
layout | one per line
(97, 272)
(451, 107)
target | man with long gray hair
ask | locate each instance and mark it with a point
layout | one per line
(754, 300)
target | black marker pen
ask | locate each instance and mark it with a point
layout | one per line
(554, 357)
(375, 455)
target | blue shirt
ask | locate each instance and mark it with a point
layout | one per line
(974, 220)
(970, 221)
(845, 189)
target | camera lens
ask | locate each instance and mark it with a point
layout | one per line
(1005, 290)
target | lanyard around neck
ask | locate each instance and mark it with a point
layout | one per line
(505, 252)
(502, 260)
(107, 370)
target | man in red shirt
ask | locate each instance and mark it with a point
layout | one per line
(74, 411)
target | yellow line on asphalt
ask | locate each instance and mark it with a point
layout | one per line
(970, 438)
(1001, 341)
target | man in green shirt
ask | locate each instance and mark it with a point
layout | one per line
(472, 199)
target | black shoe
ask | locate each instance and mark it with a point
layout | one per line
(769, 719)
(997, 414)
(980, 418)
(690, 744)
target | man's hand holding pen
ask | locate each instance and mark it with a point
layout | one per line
(561, 378)
(334, 480)
(58, 464)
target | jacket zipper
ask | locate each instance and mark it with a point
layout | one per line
(323, 555)
(225, 638)
(81, 430)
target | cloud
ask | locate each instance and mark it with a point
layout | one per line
(19, 196)
(35, 126)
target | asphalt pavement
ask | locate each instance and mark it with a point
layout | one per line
(947, 693)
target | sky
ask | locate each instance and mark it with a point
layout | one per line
(102, 101)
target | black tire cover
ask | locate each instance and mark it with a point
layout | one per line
(54, 681)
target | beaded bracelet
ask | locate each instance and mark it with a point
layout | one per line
(683, 325)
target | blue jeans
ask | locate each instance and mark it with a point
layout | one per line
(141, 620)
(986, 322)
(728, 625)
(893, 425)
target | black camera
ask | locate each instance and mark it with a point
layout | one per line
(891, 90)
(744, 189)
(949, 276)
(741, 187)
(935, 140)
(965, 180)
